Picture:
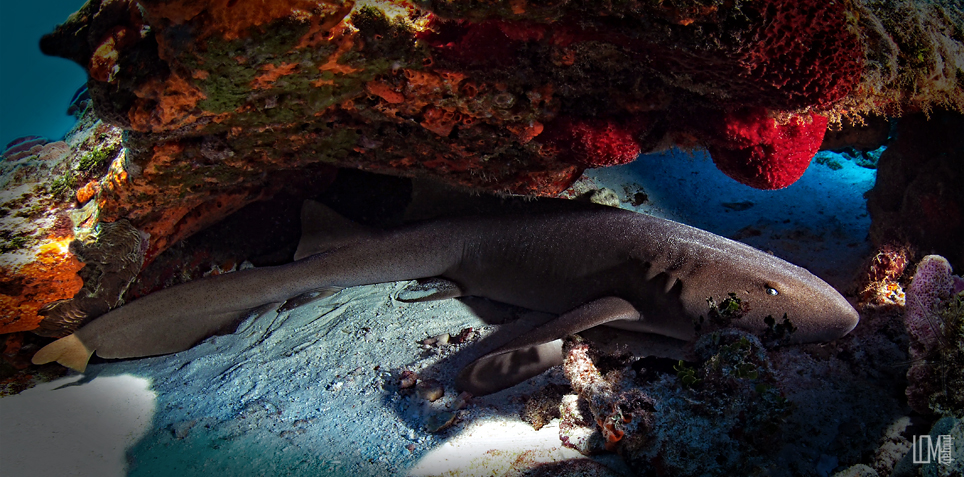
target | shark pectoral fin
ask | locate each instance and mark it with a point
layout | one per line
(429, 290)
(323, 228)
(308, 297)
(68, 351)
(539, 349)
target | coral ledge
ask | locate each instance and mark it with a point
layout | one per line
(195, 109)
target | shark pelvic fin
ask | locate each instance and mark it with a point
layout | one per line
(322, 229)
(504, 369)
(68, 351)
(540, 348)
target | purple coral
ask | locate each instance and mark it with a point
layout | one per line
(932, 284)
(23, 147)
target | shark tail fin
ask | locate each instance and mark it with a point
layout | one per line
(68, 351)
(323, 228)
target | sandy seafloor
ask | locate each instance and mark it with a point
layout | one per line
(314, 391)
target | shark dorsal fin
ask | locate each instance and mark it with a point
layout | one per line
(322, 229)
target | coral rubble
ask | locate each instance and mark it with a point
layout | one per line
(727, 410)
(741, 408)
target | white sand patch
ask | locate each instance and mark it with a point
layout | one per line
(491, 447)
(67, 427)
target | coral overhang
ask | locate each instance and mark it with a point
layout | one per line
(223, 101)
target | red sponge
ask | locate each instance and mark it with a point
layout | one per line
(597, 142)
(760, 152)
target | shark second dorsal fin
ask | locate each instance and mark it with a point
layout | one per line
(308, 297)
(323, 229)
(430, 289)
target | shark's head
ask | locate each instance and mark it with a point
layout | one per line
(771, 287)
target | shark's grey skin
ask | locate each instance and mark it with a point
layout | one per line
(599, 266)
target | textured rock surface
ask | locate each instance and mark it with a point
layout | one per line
(463, 90)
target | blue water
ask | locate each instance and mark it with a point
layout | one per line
(820, 222)
(35, 90)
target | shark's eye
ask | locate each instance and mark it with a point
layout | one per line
(772, 291)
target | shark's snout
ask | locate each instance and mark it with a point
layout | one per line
(842, 317)
(828, 319)
(847, 319)
(817, 311)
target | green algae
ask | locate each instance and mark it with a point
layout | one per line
(10, 242)
(721, 315)
(64, 184)
(233, 67)
(98, 158)
(687, 375)
(229, 64)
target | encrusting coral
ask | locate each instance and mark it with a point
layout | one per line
(879, 283)
(41, 217)
(112, 254)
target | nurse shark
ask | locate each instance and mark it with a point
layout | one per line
(591, 267)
